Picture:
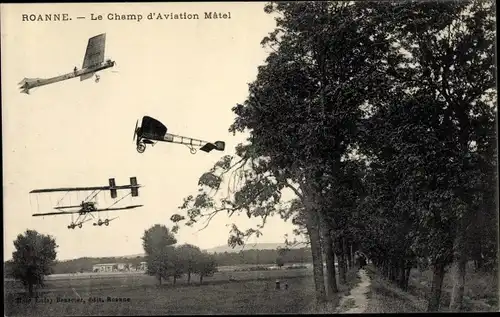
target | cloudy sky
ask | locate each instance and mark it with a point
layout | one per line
(186, 73)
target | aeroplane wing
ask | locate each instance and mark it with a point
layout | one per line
(75, 189)
(118, 208)
(95, 51)
(56, 213)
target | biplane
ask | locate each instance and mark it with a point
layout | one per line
(152, 130)
(86, 207)
(92, 63)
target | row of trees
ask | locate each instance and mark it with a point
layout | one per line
(380, 117)
(85, 264)
(35, 257)
(165, 260)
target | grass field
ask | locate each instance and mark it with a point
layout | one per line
(241, 292)
(480, 292)
(248, 292)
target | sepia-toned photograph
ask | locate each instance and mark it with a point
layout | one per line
(313, 157)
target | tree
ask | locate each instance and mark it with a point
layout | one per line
(431, 134)
(33, 259)
(158, 244)
(302, 113)
(205, 265)
(189, 256)
(280, 261)
(176, 264)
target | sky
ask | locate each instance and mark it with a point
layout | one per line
(186, 73)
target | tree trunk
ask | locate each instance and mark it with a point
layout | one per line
(159, 279)
(345, 253)
(201, 279)
(189, 277)
(313, 231)
(349, 258)
(175, 279)
(351, 254)
(330, 263)
(341, 260)
(402, 274)
(457, 294)
(30, 290)
(385, 267)
(437, 283)
(407, 275)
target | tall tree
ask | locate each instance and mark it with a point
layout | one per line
(432, 124)
(158, 244)
(33, 259)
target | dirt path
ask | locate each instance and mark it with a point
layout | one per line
(357, 301)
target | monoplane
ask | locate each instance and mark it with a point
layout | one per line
(92, 63)
(152, 130)
(88, 206)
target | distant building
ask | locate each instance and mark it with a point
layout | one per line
(142, 266)
(109, 267)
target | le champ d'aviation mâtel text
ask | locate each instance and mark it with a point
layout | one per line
(61, 17)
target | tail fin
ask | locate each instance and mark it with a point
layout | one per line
(27, 80)
(220, 145)
(134, 186)
(26, 84)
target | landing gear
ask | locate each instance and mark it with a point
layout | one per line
(100, 222)
(97, 77)
(141, 147)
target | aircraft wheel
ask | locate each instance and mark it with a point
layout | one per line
(106, 222)
(141, 147)
(80, 225)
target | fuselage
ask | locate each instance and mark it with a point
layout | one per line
(37, 82)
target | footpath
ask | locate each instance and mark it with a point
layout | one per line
(357, 301)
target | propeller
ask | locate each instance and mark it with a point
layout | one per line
(135, 130)
(114, 64)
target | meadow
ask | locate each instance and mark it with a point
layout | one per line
(227, 292)
(481, 292)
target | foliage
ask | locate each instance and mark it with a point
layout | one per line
(380, 119)
(33, 258)
(158, 244)
(280, 261)
(205, 265)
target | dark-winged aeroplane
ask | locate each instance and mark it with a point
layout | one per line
(92, 63)
(153, 130)
(88, 206)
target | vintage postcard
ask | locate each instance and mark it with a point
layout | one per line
(249, 157)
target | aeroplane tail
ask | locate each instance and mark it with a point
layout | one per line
(134, 186)
(218, 145)
(26, 84)
(112, 188)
